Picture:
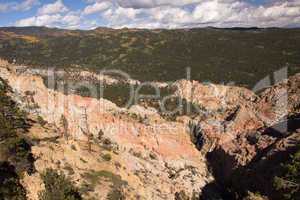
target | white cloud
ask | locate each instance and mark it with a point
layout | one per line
(154, 3)
(69, 20)
(53, 15)
(220, 13)
(53, 8)
(128, 13)
(168, 14)
(43, 20)
(25, 5)
(96, 7)
(15, 6)
(147, 3)
(4, 7)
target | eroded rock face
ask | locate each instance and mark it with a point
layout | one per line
(155, 157)
(282, 99)
(247, 148)
(229, 115)
(236, 121)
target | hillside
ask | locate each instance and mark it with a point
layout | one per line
(64, 140)
(128, 152)
(15, 150)
(236, 55)
(237, 149)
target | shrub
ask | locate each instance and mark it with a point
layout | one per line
(13, 123)
(181, 196)
(41, 121)
(10, 187)
(58, 187)
(287, 183)
(106, 157)
(83, 91)
(95, 177)
(19, 153)
(115, 194)
(73, 147)
(254, 196)
(14, 150)
(82, 160)
(70, 170)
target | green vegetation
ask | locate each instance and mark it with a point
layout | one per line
(41, 121)
(243, 56)
(83, 91)
(275, 178)
(164, 100)
(106, 157)
(287, 182)
(124, 94)
(94, 177)
(15, 150)
(181, 196)
(69, 169)
(58, 187)
(82, 160)
(73, 147)
(18, 152)
(115, 194)
(10, 187)
(254, 196)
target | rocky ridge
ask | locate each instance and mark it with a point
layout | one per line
(236, 129)
(154, 158)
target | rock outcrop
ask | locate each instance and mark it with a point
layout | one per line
(254, 137)
(154, 157)
(233, 118)
(238, 131)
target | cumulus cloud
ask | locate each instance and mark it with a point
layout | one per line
(194, 13)
(4, 7)
(169, 14)
(69, 21)
(57, 14)
(97, 7)
(53, 8)
(72, 20)
(25, 5)
(137, 4)
(15, 6)
(42, 20)
(53, 15)
(154, 3)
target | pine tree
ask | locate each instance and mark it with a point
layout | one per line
(65, 126)
(86, 130)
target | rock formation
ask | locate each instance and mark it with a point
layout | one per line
(149, 157)
(155, 159)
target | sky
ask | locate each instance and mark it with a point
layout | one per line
(89, 14)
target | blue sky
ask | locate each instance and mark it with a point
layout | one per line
(88, 14)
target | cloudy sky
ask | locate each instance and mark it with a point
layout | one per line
(88, 14)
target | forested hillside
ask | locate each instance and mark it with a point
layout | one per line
(240, 55)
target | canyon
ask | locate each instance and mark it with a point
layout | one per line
(137, 152)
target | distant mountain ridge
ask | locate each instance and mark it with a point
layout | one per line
(240, 55)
